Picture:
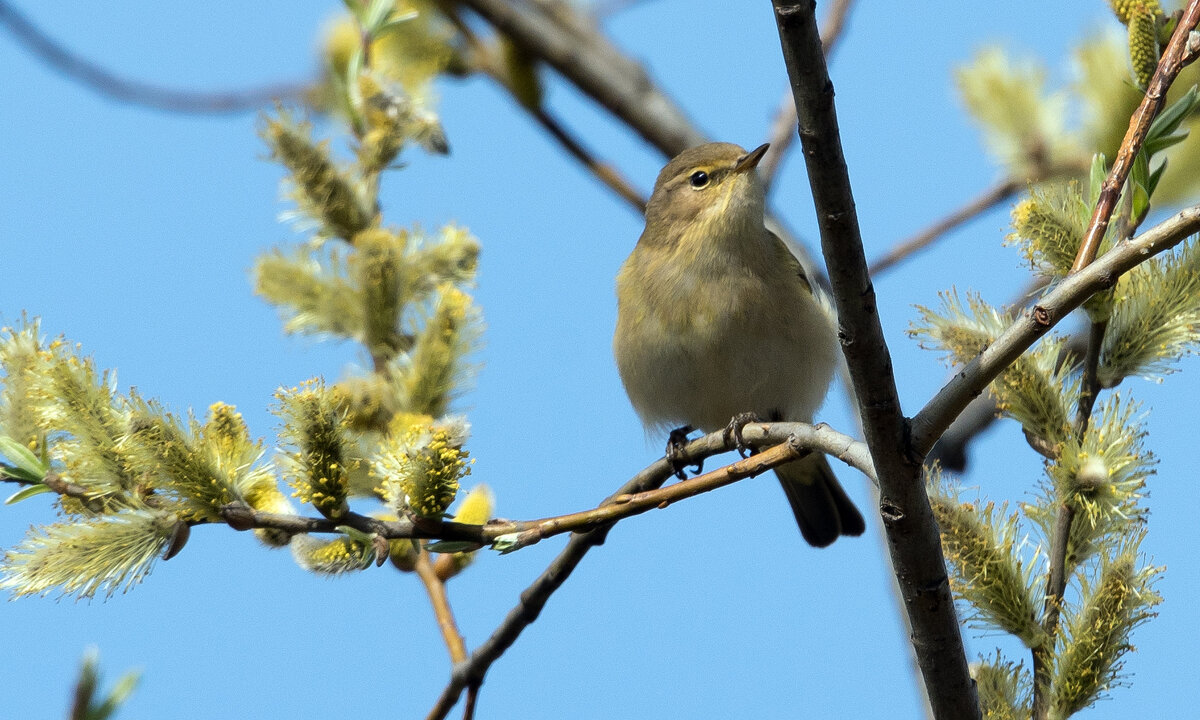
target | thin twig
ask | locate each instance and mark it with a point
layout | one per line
(820, 438)
(469, 703)
(1178, 53)
(783, 127)
(623, 506)
(940, 411)
(589, 61)
(1060, 541)
(533, 599)
(912, 534)
(1056, 586)
(604, 172)
(1090, 380)
(985, 201)
(482, 59)
(111, 85)
(436, 590)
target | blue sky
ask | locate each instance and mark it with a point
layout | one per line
(132, 231)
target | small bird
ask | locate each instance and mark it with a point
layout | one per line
(716, 319)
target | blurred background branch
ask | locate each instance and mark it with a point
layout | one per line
(111, 85)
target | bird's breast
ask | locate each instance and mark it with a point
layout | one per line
(696, 347)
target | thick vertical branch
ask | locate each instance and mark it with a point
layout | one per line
(912, 534)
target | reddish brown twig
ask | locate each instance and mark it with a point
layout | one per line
(436, 590)
(1181, 51)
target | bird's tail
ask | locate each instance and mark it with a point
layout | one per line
(822, 508)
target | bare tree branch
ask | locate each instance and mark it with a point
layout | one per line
(589, 61)
(985, 201)
(482, 59)
(627, 505)
(111, 85)
(436, 590)
(1180, 51)
(912, 534)
(803, 436)
(606, 173)
(783, 127)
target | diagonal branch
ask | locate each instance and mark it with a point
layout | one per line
(481, 57)
(1180, 51)
(978, 205)
(787, 440)
(603, 171)
(975, 376)
(113, 86)
(912, 534)
(628, 505)
(985, 201)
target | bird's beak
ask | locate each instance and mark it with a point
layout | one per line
(750, 160)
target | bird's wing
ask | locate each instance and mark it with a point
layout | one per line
(788, 260)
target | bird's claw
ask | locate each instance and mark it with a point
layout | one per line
(733, 432)
(676, 442)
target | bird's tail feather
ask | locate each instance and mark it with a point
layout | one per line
(822, 509)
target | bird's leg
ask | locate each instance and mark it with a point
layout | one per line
(733, 432)
(676, 442)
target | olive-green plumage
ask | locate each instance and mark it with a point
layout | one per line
(716, 318)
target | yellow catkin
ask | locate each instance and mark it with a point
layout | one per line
(1143, 41)
(1126, 9)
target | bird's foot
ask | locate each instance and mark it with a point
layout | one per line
(676, 442)
(733, 432)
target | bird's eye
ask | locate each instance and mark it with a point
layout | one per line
(698, 179)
